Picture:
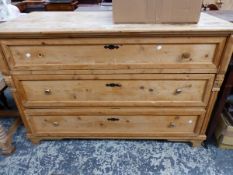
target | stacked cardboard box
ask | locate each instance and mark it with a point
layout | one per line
(224, 132)
(156, 11)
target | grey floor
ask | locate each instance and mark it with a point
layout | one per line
(112, 157)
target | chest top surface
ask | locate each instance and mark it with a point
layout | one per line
(47, 23)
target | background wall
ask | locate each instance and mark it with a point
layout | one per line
(227, 4)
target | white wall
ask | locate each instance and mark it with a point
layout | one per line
(227, 4)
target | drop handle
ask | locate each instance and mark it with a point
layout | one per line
(178, 91)
(111, 46)
(172, 125)
(55, 124)
(113, 85)
(47, 91)
(113, 119)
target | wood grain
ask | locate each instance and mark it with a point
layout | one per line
(129, 90)
(81, 77)
(227, 55)
(130, 53)
(72, 24)
(113, 125)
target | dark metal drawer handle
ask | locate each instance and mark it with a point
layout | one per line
(113, 119)
(113, 85)
(111, 46)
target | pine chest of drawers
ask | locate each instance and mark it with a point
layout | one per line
(84, 77)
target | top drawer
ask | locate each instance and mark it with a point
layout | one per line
(121, 53)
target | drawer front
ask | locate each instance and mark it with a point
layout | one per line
(113, 125)
(115, 53)
(117, 90)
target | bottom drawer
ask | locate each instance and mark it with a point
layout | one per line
(113, 126)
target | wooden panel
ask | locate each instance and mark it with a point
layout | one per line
(209, 111)
(68, 6)
(103, 122)
(82, 24)
(129, 90)
(126, 54)
(113, 71)
(113, 125)
(3, 64)
(106, 111)
(129, 53)
(117, 90)
(227, 55)
(159, 77)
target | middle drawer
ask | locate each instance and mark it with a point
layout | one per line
(115, 90)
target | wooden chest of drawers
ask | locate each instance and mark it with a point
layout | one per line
(73, 79)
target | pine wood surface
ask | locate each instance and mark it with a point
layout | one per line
(49, 24)
(184, 52)
(79, 77)
(130, 90)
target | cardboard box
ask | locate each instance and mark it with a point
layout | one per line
(224, 133)
(156, 11)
